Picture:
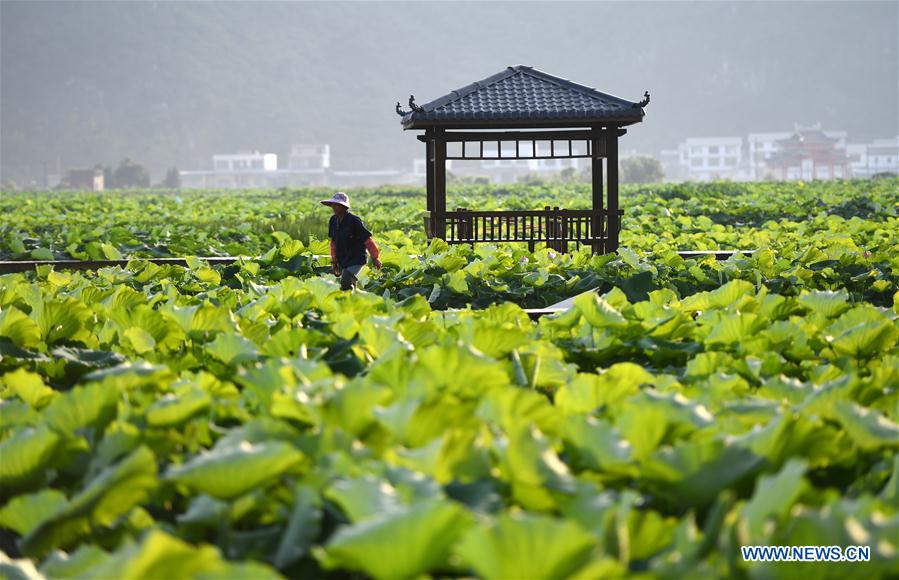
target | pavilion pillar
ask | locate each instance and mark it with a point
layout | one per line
(439, 144)
(429, 178)
(612, 168)
(597, 221)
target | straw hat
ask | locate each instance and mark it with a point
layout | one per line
(339, 198)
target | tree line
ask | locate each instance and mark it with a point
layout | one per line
(129, 174)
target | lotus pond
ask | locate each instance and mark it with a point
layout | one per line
(253, 421)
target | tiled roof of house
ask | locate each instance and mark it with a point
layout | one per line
(522, 96)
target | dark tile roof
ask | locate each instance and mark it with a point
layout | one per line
(522, 96)
(807, 137)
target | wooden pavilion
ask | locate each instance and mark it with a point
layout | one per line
(536, 116)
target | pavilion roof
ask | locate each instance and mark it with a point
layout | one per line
(522, 96)
(805, 137)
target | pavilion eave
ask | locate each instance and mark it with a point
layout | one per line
(521, 123)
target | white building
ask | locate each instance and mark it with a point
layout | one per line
(674, 168)
(708, 158)
(307, 164)
(759, 148)
(878, 156)
(883, 156)
(233, 171)
(245, 160)
(309, 156)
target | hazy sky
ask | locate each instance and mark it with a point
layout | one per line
(171, 83)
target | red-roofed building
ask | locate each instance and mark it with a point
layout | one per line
(809, 154)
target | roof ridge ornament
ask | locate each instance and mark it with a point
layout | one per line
(644, 102)
(415, 108)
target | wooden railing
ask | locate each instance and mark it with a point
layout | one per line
(553, 226)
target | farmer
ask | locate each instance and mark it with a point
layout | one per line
(349, 240)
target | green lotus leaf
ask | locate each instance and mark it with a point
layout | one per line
(229, 472)
(110, 252)
(531, 466)
(692, 474)
(648, 533)
(727, 295)
(62, 320)
(23, 513)
(588, 391)
(774, 497)
(210, 319)
(109, 495)
(19, 328)
(402, 543)
(495, 339)
(42, 254)
(527, 546)
(83, 359)
(122, 301)
(90, 405)
(291, 248)
(160, 555)
(379, 338)
(302, 529)
(130, 376)
(638, 286)
(26, 454)
(232, 349)
(177, 408)
(598, 312)
(863, 340)
(364, 497)
(512, 407)
(29, 387)
(456, 281)
(227, 570)
(707, 363)
(825, 302)
(597, 446)
(352, 407)
(141, 340)
(457, 369)
(867, 427)
(77, 564)
(682, 414)
(563, 320)
(16, 413)
(449, 262)
(735, 328)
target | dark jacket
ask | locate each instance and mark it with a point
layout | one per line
(349, 236)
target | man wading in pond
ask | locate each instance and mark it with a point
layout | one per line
(349, 240)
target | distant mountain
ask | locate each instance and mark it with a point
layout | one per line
(171, 83)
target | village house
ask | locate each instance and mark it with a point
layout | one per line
(84, 179)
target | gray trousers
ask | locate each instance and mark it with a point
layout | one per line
(348, 276)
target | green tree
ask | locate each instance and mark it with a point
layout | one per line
(131, 174)
(172, 179)
(641, 169)
(567, 175)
